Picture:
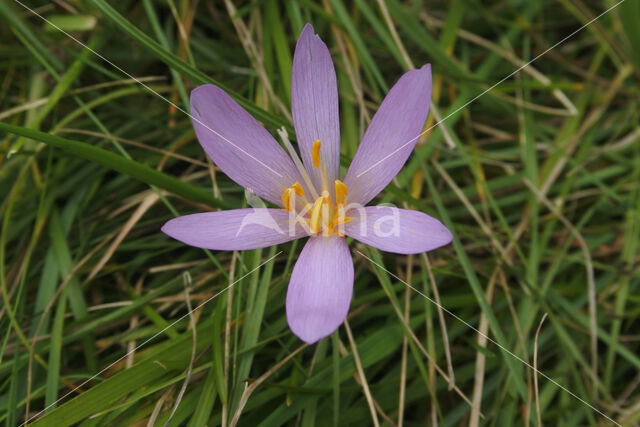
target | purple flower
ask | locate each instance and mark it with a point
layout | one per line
(313, 201)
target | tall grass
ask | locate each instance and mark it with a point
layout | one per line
(107, 321)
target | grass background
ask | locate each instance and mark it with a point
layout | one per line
(539, 179)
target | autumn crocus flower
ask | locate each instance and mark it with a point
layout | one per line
(312, 200)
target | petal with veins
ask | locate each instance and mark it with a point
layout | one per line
(391, 136)
(234, 230)
(320, 289)
(239, 145)
(314, 104)
(401, 231)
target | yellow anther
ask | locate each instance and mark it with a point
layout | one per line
(298, 189)
(315, 153)
(320, 213)
(323, 215)
(341, 191)
(316, 210)
(287, 199)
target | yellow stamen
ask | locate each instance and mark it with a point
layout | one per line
(321, 214)
(341, 191)
(315, 153)
(325, 215)
(298, 189)
(286, 199)
(314, 222)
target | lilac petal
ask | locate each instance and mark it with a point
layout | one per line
(239, 145)
(237, 229)
(391, 136)
(320, 289)
(314, 104)
(401, 231)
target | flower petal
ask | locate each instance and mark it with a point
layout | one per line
(320, 289)
(401, 231)
(391, 136)
(237, 229)
(239, 145)
(314, 104)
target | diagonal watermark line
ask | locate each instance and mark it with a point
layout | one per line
(146, 87)
(491, 87)
(146, 341)
(494, 342)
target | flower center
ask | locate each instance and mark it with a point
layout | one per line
(325, 215)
